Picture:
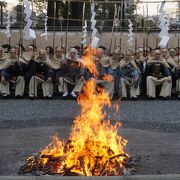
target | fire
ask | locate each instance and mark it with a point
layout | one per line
(88, 60)
(94, 147)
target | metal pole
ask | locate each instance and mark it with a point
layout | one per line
(54, 25)
(1, 14)
(112, 37)
(83, 14)
(67, 27)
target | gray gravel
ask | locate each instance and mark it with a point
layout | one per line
(156, 115)
(151, 128)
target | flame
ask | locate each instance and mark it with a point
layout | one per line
(108, 78)
(88, 60)
(93, 139)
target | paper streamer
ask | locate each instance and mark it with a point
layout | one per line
(29, 34)
(84, 41)
(95, 40)
(131, 34)
(8, 32)
(45, 34)
(164, 23)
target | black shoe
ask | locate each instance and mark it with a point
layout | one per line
(32, 98)
(151, 98)
(134, 98)
(124, 98)
(48, 98)
(19, 97)
(163, 98)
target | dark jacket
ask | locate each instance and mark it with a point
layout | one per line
(38, 69)
(157, 70)
(18, 69)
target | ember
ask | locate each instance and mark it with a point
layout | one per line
(94, 147)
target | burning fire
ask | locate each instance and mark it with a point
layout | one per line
(94, 147)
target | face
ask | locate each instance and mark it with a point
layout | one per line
(127, 56)
(137, 55)
(152, 53)
(172, 53)
(178, 51)
(41, 56)
(164, 53)
(157, 55)
(58, 52)
(116, 56)
(18, 48)
(12, 53)
(47, 50)
(30, 49)
(99, 53)
(72, 55)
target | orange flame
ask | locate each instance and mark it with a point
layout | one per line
(88, 60)
(91, 136)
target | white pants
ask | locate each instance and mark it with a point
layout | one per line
(19, 86)
(134, 92)
(47, 87)
(152, 82)
(62, 87)
(5, 88)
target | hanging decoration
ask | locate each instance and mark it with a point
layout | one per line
(164, 23)
(29, 34)
(45, 34)
(131, 34)
(8, 25)
(94, 39)
(84, 41)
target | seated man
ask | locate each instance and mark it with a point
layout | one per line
(158, 74)
(12, 70)
(70, 75)
(129, 77)
(39, 73)
(53, 61)
(177, 74)
(105, 72)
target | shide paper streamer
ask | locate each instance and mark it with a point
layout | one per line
(131, 34)
(8, 32)
(94, 39)
(164, 26)
(84, 42)
(29, 34)
(45, 34)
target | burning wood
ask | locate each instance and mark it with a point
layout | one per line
(94, 147)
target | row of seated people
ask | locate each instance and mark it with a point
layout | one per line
(131, 75)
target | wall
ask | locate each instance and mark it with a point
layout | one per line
(74, 38)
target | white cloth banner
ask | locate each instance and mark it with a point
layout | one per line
(29, 34)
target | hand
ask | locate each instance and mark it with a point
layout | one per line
(3, 80)
(169, 79)
(49, 79)
(82, 78)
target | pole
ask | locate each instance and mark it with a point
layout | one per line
(67, 27)
(83, 14)
(1, 14)
(54, 25)
(117, 24)
(157, 30)
(147, 26)
(112, 32)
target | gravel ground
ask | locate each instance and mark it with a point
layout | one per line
(151, 127)
(156, 115)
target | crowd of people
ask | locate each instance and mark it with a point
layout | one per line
(32, 72)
